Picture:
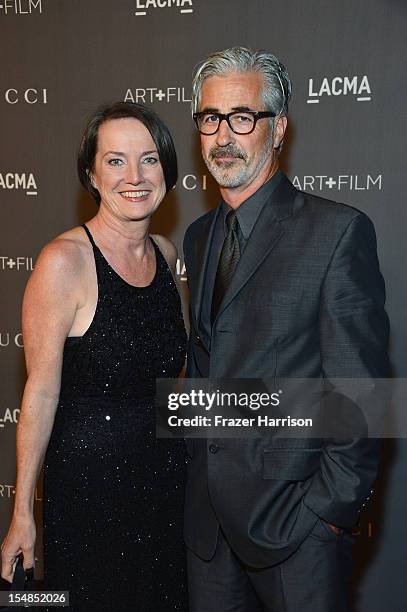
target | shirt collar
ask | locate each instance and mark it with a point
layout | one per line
(249, 210)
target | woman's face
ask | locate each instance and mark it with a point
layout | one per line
(127, 170)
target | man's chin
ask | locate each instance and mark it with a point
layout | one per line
(223, 177)
(228, 182)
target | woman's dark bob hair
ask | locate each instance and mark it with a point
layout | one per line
(124, 110)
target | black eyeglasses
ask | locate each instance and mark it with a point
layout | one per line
(240, 122)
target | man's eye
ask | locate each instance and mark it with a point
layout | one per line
(115, 162)
(210, 119)
(244, 118)
(150, 161)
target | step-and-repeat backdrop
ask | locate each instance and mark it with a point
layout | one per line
(59, 59)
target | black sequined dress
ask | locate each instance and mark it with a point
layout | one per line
(113, 493)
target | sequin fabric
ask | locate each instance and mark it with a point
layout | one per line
(113, 493)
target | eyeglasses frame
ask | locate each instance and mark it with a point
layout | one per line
(226, 117)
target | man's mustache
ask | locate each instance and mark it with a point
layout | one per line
(227, 151)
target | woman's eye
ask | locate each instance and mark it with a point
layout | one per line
(115, 162)
(150, 161)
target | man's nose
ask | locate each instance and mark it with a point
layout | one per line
(224, 135)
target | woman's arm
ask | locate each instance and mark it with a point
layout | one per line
(49, 308)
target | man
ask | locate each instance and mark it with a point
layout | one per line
(282, 284)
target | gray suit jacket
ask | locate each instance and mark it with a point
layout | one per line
(306, 300)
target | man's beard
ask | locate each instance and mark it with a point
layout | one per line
(225, 174)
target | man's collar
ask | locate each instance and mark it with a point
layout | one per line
(249, 211)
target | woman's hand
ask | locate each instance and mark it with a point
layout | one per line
(20, 538)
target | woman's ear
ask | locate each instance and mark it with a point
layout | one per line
(91, 178)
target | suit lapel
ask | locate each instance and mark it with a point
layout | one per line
(265, 235)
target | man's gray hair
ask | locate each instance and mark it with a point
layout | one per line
(277, 84)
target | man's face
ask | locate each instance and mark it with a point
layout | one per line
(236, 160)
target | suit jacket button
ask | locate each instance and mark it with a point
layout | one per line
(213, 448)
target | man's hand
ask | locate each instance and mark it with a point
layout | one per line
(335, 529)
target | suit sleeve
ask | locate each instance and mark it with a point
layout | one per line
(354, 332)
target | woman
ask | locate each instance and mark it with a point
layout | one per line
(101, 320)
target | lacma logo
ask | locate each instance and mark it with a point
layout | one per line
(20, 7)
(339, 86)
(9, 416)
(181, 270)
(19, 180)
(185, 6)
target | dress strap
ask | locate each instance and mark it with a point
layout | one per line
(100, 262)
(85, 227)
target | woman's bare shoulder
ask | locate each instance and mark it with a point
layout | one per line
(66, 253)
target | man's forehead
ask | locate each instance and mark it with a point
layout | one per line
(237, 89)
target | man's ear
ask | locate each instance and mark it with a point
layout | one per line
(279, 131)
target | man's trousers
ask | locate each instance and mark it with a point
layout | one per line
(315, 578)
